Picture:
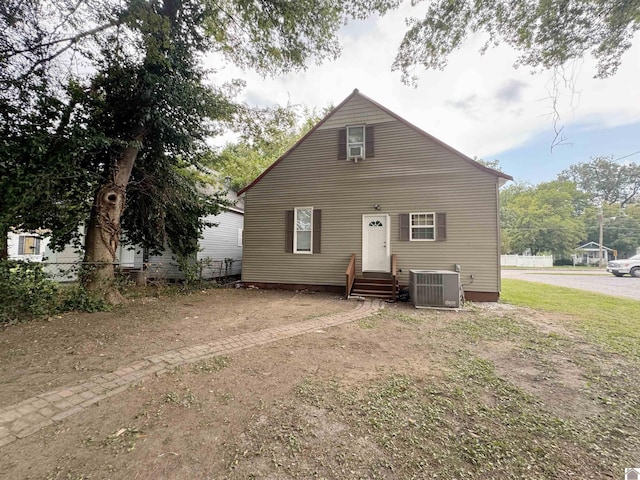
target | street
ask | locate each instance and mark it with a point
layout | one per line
(595, 280)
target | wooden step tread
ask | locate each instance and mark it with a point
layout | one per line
(372, 295)
(373, 287)
(382, 281)
(360, 291)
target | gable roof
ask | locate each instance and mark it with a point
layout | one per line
(503, 176)
(593, 246)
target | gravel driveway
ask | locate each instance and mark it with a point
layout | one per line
(593, 281)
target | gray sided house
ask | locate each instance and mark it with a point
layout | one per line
(366, 194)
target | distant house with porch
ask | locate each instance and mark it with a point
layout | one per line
(589, 254)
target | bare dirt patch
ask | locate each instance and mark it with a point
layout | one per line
(39, 356)
(486, 393)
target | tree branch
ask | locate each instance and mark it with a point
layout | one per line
(72, 41)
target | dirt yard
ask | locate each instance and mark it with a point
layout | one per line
(490, 392)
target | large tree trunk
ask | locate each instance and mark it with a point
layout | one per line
(4, 244)
(103, 231)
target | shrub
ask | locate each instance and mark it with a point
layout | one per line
(78, 299)
(562, 262)
(26, 291)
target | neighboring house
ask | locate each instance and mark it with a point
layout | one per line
(364, 181)
(220, 248)
(28, 246)
(589, 254)
(220, 251)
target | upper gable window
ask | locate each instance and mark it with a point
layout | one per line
(355, 142)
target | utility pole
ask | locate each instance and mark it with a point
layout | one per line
(600, 250)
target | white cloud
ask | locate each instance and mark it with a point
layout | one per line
(479, 104)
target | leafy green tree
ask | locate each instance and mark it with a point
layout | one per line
(546, 33)
(542, 218)
(509, 214)
(265, 134)
(40, 185)
(494, 164)
(621, 227)
(606, 181)
(129, 128)
(613, 188)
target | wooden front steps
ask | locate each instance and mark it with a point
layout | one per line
(373, 287)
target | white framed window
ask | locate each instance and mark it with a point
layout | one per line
(303, 230)
(422, 226)
(355, 142)
(240, 236)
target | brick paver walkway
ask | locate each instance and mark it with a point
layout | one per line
(29, 416)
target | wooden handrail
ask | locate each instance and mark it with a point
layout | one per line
(351, 275)
(394, 276)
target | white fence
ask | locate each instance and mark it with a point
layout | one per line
(526, 260)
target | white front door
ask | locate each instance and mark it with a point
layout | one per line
(375, 243)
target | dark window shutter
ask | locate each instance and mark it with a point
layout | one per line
(342, 144)
(404, 227)
(441, 227)
(20, 245)
(317, 231)
(37, 250)
(369, 150)
(288, 231)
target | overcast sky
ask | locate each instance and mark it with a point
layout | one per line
(480, 104)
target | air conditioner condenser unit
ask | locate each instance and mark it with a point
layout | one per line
(434, 288)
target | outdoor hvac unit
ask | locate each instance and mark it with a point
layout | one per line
(434, 288)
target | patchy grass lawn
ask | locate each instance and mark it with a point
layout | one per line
(610, 321)
(495, 391)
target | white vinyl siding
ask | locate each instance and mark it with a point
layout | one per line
(222, 245)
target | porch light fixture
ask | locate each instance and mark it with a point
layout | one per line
(377, 206)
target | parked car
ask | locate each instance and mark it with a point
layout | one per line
(629, 265)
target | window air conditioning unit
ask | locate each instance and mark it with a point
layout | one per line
(356, 153)
(434, 288)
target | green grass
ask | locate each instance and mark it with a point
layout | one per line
(467, 424)
(609, 321)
